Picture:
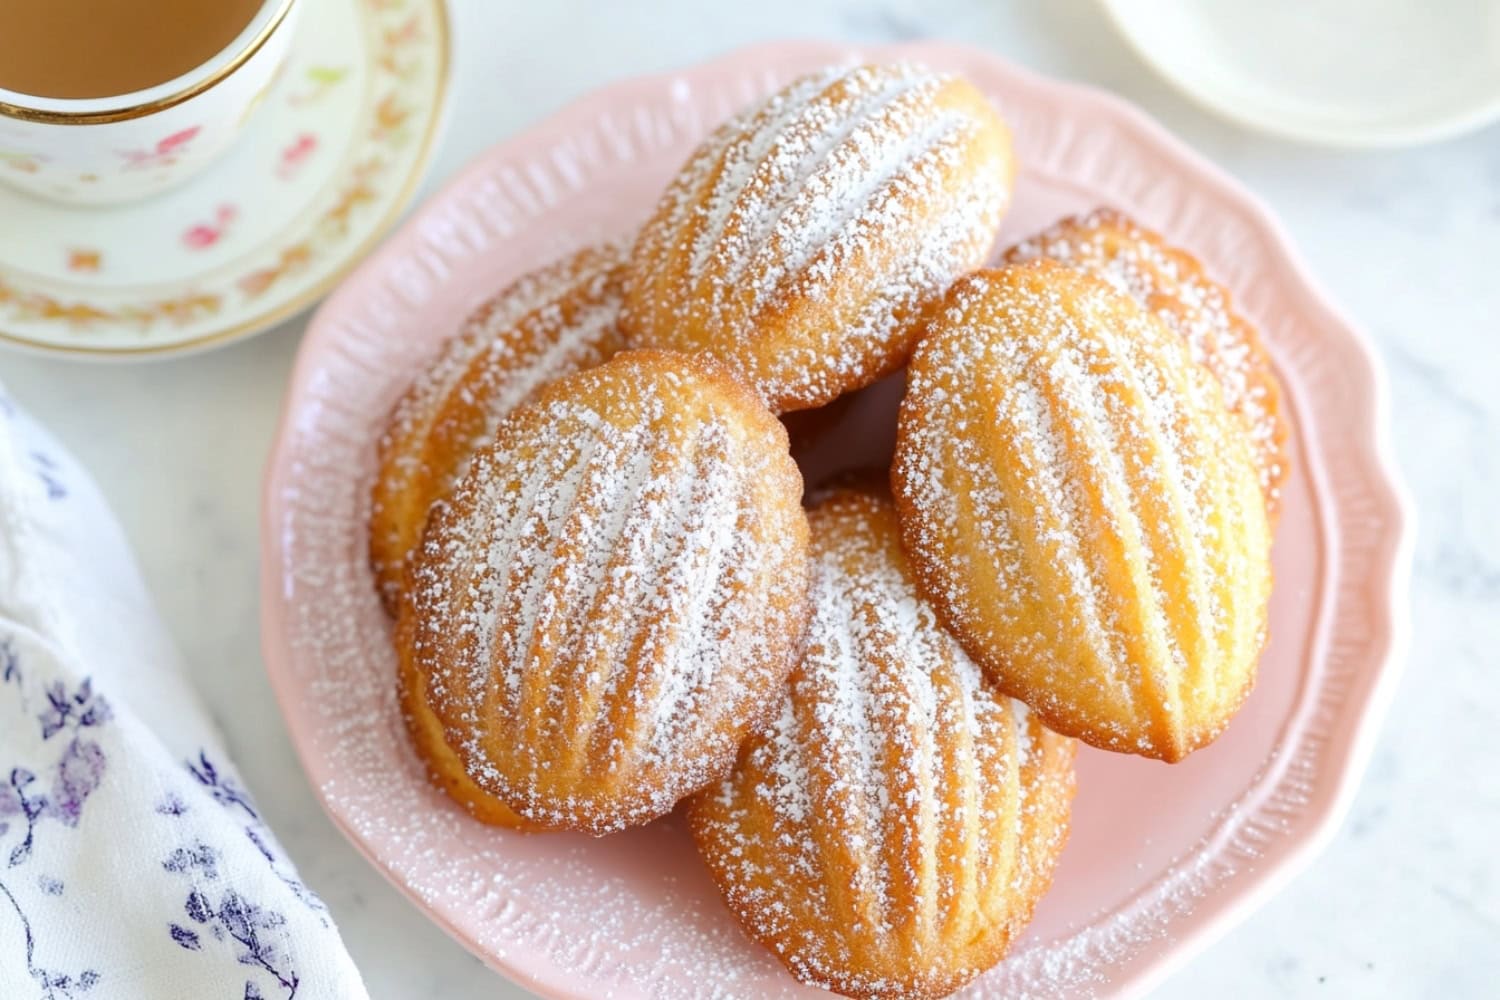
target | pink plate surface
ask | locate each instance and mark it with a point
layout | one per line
(1162, 858)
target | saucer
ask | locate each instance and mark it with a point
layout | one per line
(1351, 73)
(333, 155)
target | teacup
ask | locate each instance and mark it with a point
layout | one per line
(116, 149)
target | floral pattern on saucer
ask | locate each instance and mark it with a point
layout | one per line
(335, 150)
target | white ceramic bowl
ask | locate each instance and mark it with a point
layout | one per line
(1355, 73)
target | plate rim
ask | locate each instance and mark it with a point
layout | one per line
(354, 259)
(1369, 399)
(1472, 116)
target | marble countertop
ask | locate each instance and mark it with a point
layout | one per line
(1406, 899)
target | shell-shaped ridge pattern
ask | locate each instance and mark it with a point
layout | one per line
(802, 239)
(891, 830)
(1173, 285)
(1083, 509)
(614, 591)
(549, 323)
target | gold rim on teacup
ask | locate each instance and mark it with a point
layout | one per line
(243, 48)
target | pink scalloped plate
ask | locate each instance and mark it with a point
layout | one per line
(1162, 858)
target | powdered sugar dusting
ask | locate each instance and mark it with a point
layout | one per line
(887, 834)
(613, 591)
(800, 240)
(1083, 519)
(559, 319)
(1172, 284)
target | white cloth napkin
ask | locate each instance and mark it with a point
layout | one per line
(133, 862)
